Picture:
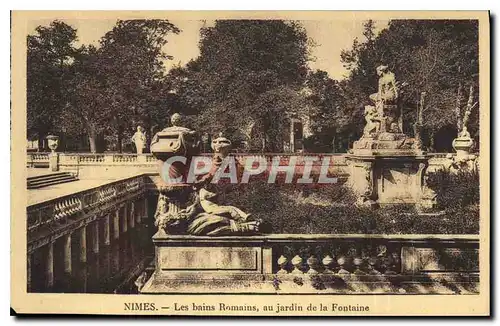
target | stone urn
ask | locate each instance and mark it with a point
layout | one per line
(53, 142)
(174, 147)
(462, 145)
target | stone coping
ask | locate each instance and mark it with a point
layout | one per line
(46, 195)
(277, 238)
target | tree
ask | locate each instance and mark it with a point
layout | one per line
(50, 53)
(248, 76)
(121, 84)
(326, 112)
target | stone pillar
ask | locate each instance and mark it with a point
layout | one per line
(131, 217)
(54, 162)
(83, 244)
(145, 214)
(106, 230)
(138, 213)
(49, 280)
(28, 273)
(124, 218)
(67, 253)
(116, 225)
(95, 237)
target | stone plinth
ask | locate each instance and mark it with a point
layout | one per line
(54, 162)
(208, 264)
(385, 172)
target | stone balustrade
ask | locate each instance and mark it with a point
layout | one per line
(312, 263)
(37, 160)
(56, 216)
(93, 217)
(147, 163)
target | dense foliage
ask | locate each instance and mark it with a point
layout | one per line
(250, 78)
(331, 209)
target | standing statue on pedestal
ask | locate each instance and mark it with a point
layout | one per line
(139, 139)
(386, 100)
(384, 121)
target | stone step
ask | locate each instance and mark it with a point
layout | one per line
(45, 176)
(41, 182)
(51, 179)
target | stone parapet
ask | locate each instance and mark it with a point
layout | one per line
(315, 263)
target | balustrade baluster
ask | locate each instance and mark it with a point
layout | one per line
(328, 262)
(297, 265)
(358, 261)
(282, 262)
(313, 263)
(342, 261)
(372, 262)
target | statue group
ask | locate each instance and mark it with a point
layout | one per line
(385, 114)
(191, 208)
(384, 119)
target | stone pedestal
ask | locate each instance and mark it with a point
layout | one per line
(54, 162)
(387, 170)
(462, 146)
(205, 264)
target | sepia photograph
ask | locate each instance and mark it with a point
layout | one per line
(250, 163)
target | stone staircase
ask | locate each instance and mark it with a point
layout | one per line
(50, 179)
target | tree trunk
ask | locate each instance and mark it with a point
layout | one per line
(431, 142)
(92, 139)
(120, 140)
(40, 142)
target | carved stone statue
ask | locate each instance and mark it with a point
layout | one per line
(139, 139)
(386, 101)
(204, 216)
(372, 118)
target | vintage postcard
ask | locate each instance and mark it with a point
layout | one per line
(218, 163)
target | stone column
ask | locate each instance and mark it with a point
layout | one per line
(95, 237)
(145, 203)
(132, 215)
(28, 273)
(67, 253)
(83, 244)
(138, 213)
(116, 225)
(106, 230)
(54, 162)
(49, 280)
(124, 218)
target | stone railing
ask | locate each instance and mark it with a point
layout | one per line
(118, 159)
(37, 160)
(297, 263)
(55, 216)
(84, 163)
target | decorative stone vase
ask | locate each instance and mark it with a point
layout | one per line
(463, 146)
(53, 142)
